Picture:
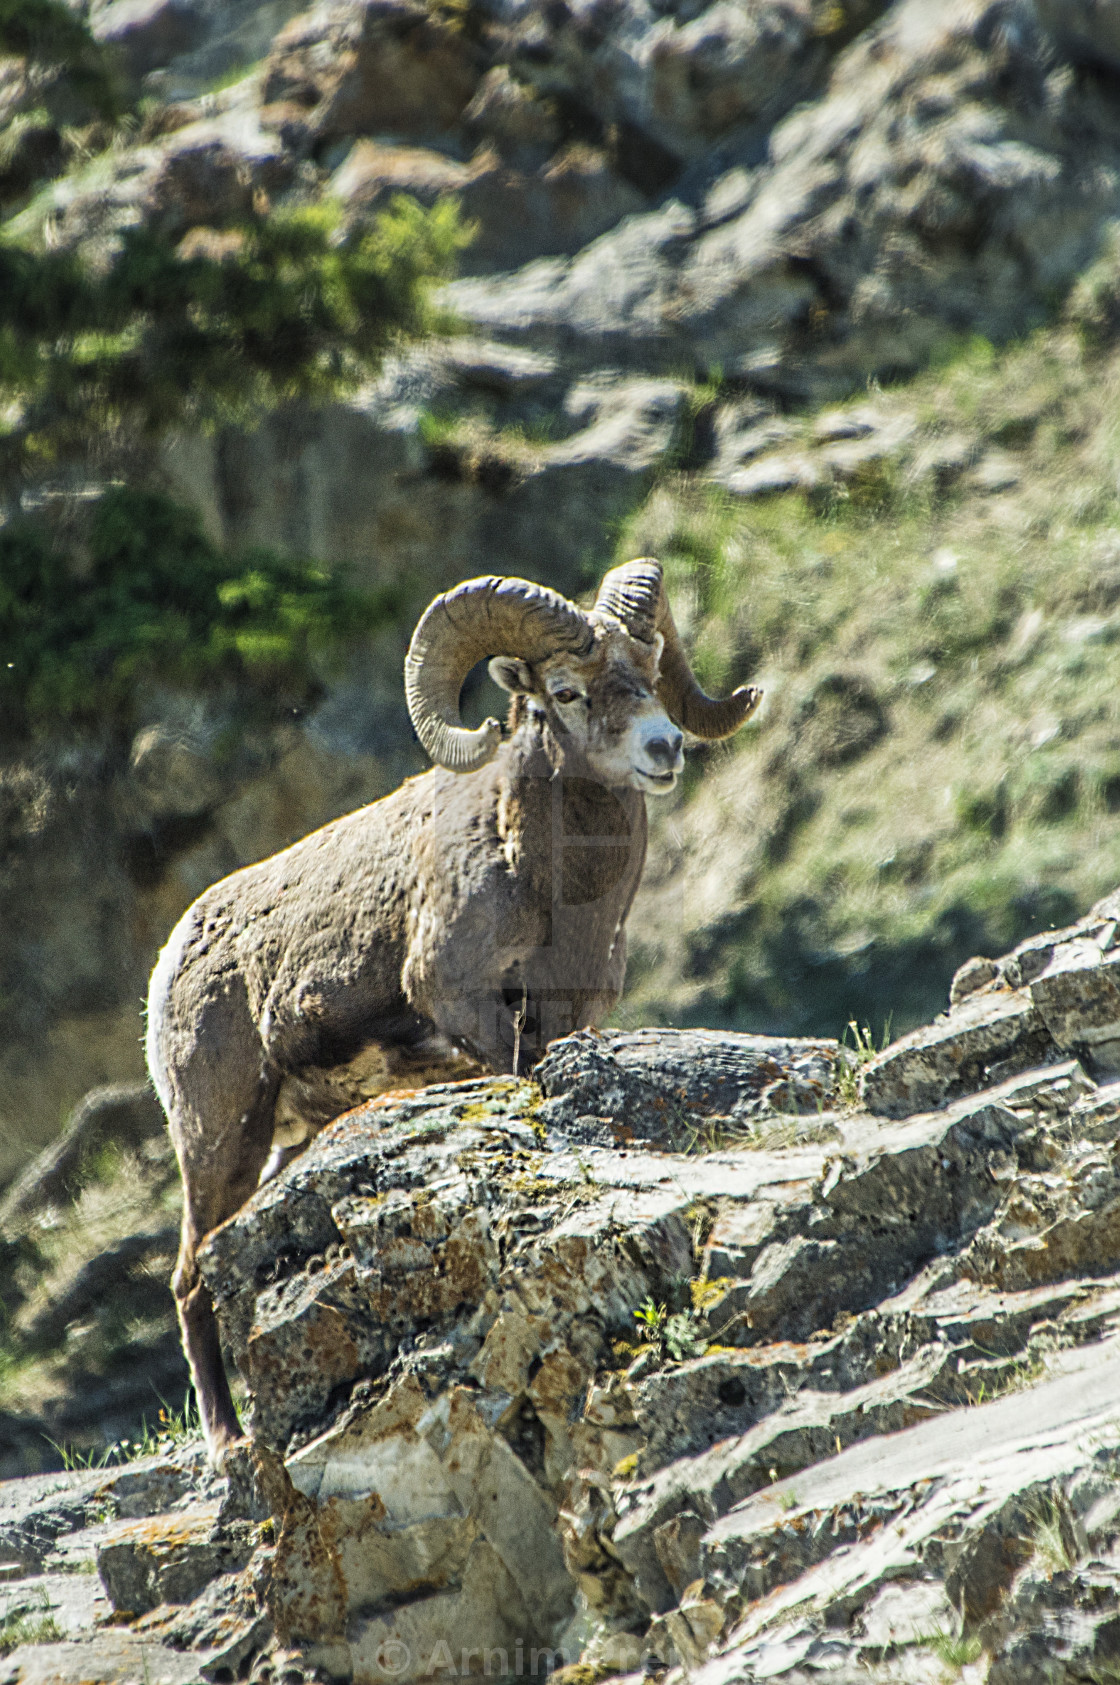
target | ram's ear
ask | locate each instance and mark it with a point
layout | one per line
(513, 675)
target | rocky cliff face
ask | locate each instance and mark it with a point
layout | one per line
(702, 1355)
(949, 169)
(692, 222)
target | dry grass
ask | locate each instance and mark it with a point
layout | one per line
(55, 1337)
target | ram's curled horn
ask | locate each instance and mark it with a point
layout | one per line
(483, 617)
(632, 593)
(635, 594)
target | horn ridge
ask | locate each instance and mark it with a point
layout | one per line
(635, 594)
(632, 593)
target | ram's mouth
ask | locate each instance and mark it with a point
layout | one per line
(659, 780)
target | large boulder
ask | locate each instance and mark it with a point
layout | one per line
(678, 1360)
(1055, 996)
(402, 499)
(351, 67)
(526, 1374)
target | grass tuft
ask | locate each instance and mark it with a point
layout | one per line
(29, 1624)
(852, 1059)
(1052, 1541)
(954, 1649)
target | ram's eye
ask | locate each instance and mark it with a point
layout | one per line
(566, 695)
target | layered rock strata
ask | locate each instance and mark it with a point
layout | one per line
(684, 1358)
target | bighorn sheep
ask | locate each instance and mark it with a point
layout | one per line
(478, 908)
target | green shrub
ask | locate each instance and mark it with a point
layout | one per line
(981, 810)
(154, 597)
(50, 32)
(1094, 303)
(1047, 791)
(286, 306)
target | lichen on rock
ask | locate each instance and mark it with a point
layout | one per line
(547, 1369)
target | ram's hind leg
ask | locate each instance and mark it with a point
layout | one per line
(220, 1171)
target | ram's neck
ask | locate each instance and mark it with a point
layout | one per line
(550, 802)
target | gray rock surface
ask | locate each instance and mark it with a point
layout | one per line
(1054, 996)
(824, 1280)
(680, 1359)
(882, 209)
(393, 505)
(667, 1086)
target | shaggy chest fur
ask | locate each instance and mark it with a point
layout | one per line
(512, 898)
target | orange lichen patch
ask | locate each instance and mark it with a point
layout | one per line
(326, 1348)
(330, 1345)
(706, 1294)
(165, 1533)
(439, 1278)
(167, 1558)
(392, 1097)
(792, 1351)
(306, 1594)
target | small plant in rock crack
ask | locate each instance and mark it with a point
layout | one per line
(29, 1623)
(683, 1337)
(1054, 1546)
(76, 1459)
(588, 1176)
(954, 1649)
(854, 1058)
(1012, 1377)
(676, 1336)
(651, 1320)
(173, 1427)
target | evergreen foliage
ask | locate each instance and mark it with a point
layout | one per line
(102, 351)
(49, 32)
(284, 306)
(152, 596)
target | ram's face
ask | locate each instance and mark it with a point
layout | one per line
(604, 706)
